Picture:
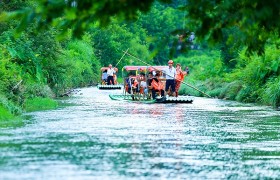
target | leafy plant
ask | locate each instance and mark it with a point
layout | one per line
(271, 93)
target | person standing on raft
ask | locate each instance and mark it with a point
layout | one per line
(179, 78)
(170, 73)
(110, 73)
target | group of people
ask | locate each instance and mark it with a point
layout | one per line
(174, 77)
(154, 84)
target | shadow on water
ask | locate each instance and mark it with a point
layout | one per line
(100, 138)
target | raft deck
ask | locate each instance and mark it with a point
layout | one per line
(110, 87)
(180, 99)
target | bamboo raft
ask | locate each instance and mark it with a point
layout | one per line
(109, 87)
(180, 99)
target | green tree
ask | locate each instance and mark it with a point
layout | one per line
(255, 19)
(230, 47)
(110, 44)
(162, 24)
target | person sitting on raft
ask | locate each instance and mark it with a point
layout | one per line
(132, 85)
(143, 85)
(149, 85)
(104, 77)
(157, 86)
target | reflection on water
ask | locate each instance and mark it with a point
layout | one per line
(100, 138)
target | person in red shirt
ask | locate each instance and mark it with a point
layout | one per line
(157, 86)
(179, 78)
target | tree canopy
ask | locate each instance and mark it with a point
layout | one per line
(256, 19)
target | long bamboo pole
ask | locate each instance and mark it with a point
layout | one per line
(124, 92)
(157, 69)
(122, 56)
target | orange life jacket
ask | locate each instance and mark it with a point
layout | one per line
(157, 85)
(180, 76)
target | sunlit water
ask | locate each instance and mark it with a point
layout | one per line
(98, 138)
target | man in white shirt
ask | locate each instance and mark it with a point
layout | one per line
(110, 74)
(170, 73)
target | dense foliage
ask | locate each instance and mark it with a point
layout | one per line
(41, 56)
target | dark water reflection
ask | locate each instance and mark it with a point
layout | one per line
(104, 139)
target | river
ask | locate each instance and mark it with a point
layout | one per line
(94, 137)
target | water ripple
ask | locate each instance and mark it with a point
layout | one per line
(99, 138)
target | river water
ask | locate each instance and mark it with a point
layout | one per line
(98, 138)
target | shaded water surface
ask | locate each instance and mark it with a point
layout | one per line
(98, 138)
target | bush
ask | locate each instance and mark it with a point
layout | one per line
(271, 93)
(10, 106)
(37, 90)
(230, 90)
(76, 67)
(5, 114)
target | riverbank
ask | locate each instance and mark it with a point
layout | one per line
(35, 104)
(252, 79)
(10, 111)
(237, 90)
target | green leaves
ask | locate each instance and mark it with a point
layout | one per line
(77, 15)
(271, 93)
(255, 19)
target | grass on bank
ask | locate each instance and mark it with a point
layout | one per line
(5, 114)
(7, 119)
(38, 103)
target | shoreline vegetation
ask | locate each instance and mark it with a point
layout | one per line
(244, 84)
(38, 66)
(5, 114)
(40, 104)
